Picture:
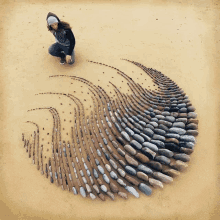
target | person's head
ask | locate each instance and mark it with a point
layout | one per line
(52, 23)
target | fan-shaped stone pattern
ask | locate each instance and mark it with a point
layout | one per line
(137, 142)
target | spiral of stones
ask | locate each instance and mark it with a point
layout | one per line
(133, 143)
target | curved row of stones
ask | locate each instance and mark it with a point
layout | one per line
(131, 144)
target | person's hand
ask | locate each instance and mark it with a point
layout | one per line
(68, 59)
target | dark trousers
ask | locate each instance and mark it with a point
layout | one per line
(59, 50)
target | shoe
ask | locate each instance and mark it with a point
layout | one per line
(62, 61)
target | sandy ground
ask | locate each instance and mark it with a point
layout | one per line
(179, 39)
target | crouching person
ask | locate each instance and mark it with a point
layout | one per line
(65, 40)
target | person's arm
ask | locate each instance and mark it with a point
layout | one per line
(71, 38)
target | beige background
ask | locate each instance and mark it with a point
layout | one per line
(177, 38)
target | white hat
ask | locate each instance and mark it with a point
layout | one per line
(52, 20)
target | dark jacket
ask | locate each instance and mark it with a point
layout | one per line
(64, 36)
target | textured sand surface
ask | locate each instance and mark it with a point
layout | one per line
(179, 39)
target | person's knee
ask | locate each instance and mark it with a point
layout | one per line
(50, 50)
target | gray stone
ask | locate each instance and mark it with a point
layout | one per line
(163, 159)
(170, 118)
(82, 192)
(188, 138)
(138, 126)
(96, 188)
(166, 152)
(123, 125)
(118, 127)
(159, 131)
(129, 131)
(121, 182)
(165, 113)
(160, 117)
(142, 123)
(166, 123)
(109, 124)
(99, 153)
(148, 132)
(183, 157)
(92, 196)
(146, 138)
(177, 131)
(174, 114)
(88, 173)
(135, 118)
(97, 162)
(124, 119)
(74, 191)
(131, 120)
(132, 191)
(96, 175)
(146, 112)
(121, 172)
(191, 109)
(136, 131)
(192, 132)
(183, 110)
(81, 173)
(84, 179)
(184, 120)
(104, 188)
(138, 138)
(159, 144)
(162, 177)
(85, 166)
(114, 165)
(130, 170)
(145, 189)
(113, 175)
(150, 126)
(179, 125)
(135, 144)
(108, 167)
(172, 135)
(145, 169)
(106, 179)
(125, 136)
(149, 153)
(151, 146)
(158, 137)
(187, 145)
(130, 149)
(192, 126)
(182, 105)
(154, 124)
(88, 188)
(191, 115)
(154, 119)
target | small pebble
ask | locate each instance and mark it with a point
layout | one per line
(132, 191)
(148, 132)
(145, 169)
(187, 138)
(125, 136)
(177, 130)
(82, 192)
(138, 138)
(151, 146)
(179, 125)
(145, 189)
(135, 144)
(130, 170)
(104, 188)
